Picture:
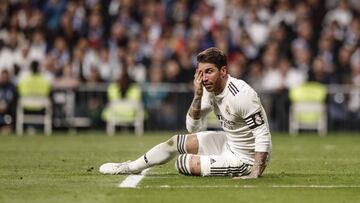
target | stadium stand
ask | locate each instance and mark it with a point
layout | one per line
(273, 45)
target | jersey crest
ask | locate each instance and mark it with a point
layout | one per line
(255, 120)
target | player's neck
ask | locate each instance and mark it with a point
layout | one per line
(222, 85)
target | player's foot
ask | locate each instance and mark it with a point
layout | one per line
(115, 168)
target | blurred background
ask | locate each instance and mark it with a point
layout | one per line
(87, 56)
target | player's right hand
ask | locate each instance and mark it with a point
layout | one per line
(198, 87)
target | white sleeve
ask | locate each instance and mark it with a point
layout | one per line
(196, 125)
(193, 125)
(254, 115)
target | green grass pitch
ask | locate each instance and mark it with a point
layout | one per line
(64, 168)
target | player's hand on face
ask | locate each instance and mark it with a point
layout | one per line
(198, 87)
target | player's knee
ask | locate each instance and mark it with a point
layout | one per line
(182, 164)
(178, 143)
(195, 167)
(184, 144)
(192, 144)
(188, 164)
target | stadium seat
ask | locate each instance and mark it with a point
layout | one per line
(308, 109)
(34, 110)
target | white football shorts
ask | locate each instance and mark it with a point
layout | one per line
(216, 159)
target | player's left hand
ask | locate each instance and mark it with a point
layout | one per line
(250, 176)
(198, 87)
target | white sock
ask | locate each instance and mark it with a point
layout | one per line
(159, 154)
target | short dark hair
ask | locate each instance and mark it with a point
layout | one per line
(212, 55)
(34, 66)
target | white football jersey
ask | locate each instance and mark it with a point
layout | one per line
(241, 115)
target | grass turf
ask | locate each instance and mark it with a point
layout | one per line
(64, 168)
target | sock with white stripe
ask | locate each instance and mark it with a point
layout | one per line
(160, 154)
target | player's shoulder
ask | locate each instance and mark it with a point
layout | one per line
(242, 96)
(239, 88)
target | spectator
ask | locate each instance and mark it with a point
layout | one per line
(187, 67)
(10, 48)
(238, 65)
(77, 64)
(248, 47)
(343, 70)
(283, 77)
(94, 76)
(305, 35)
(255, 76)
(172, 71)
(352, 32)
(154, 97)
(53, 9)
(107, 67)
(283, 13)
(38, 46)
(135, 70)
(302, 59)
(325, 51)
(8, 98)
(319, 73)
(34, 83)
(340, 14)
(67, 80)
(66, 31)
(257, 30)
(123, 89)
(60, 54)
(354, 100)
(95, 30)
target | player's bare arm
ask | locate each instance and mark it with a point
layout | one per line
(195, 107)
(258, 167)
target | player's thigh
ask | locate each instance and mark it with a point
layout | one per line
(223, 165)
(202, 143)
(211, 142)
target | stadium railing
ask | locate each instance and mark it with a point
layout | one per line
(82, 107)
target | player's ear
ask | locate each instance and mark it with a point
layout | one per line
(223, 71)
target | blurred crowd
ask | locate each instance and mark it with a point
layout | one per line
(272, 44)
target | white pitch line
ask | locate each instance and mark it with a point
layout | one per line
(133, 180)
(251, 186)
(315, 186)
